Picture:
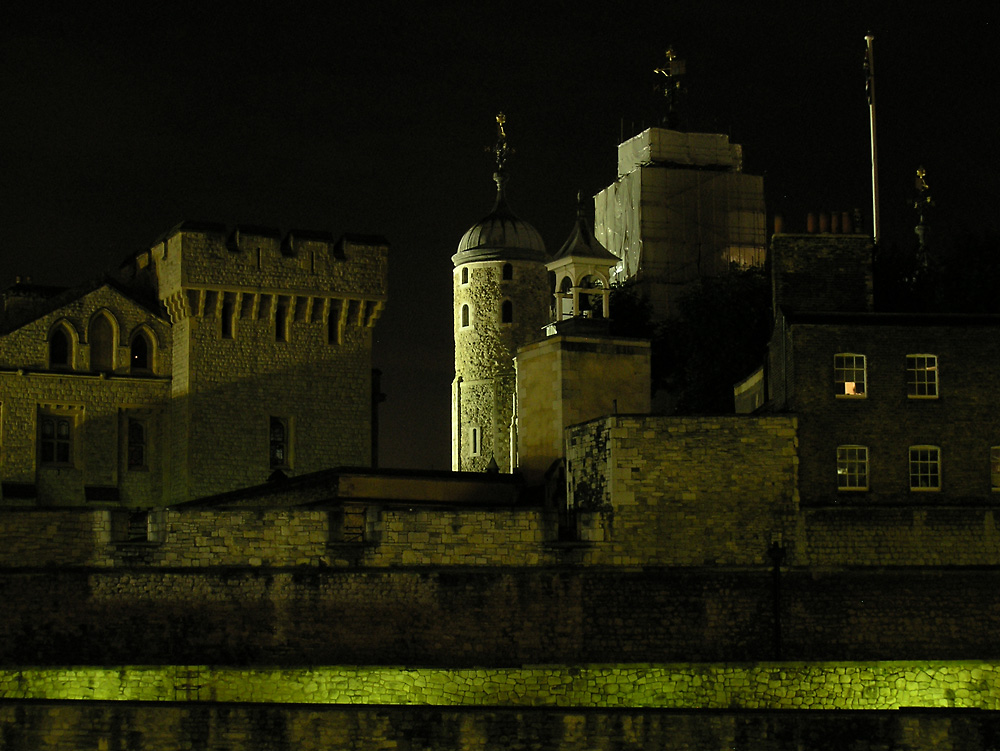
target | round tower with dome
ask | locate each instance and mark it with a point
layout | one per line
(501, 298)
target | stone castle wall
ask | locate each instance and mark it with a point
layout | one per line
(467, 617)
(167, 726)
(484, 353)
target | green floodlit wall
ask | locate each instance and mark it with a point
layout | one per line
(876, 685)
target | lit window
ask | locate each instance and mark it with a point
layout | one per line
(465, 275)
(507, 312)
(139, 353)
(925, 468)
(508, 271)
(995, 467)
(476, 442)
(55, 439)
(465, 316)
(59, 349)
(279, 442)
(136, 444)
(849, 374)
(852, 467)
(922, 376)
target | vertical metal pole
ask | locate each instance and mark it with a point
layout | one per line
(870, 65)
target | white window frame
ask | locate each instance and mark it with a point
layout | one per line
(846, 365)
(928, 467)
(922, 381)
(852, 468)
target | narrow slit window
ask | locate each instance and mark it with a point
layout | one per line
(278, 442)
(281, 323)
(136, 444)
(507, 312)
(465, 316)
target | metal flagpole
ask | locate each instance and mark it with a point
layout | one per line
(870, 86)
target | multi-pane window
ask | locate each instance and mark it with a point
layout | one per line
(922, 376)
(995, 467)
(55, 439)
(925, 468)
(278, 442)
(852, 467)
(136, 444)
(849, 374)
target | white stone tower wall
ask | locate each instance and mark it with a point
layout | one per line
(483, 391)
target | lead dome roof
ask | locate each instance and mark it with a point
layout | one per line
(500, 235)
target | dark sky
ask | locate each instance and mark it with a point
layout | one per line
(116, 123)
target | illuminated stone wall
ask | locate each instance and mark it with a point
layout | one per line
(686, 491)
(877, 685)
(226, 389)
(98, 405)
(213, 385)
(484, 353)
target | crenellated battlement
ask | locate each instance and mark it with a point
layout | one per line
(260, 263)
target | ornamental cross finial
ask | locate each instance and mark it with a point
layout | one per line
(501, 151)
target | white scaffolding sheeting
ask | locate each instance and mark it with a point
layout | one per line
(671, 147)
(675, 225)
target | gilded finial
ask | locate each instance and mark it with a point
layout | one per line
(501, 151)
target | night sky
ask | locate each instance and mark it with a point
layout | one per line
(116, 124)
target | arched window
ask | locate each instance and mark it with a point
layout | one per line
(508, 271)
(566, 286)
(465, 316)
(139, 354)
(59, 349)
(102, 342)
(465, 275)
(507, 312)
(136, 444)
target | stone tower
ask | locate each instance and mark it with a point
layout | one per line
(501, 302)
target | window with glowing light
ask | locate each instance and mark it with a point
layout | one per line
(925, 468)
(139, 359)
(849, 375)
(852, 467)
(922, 376)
